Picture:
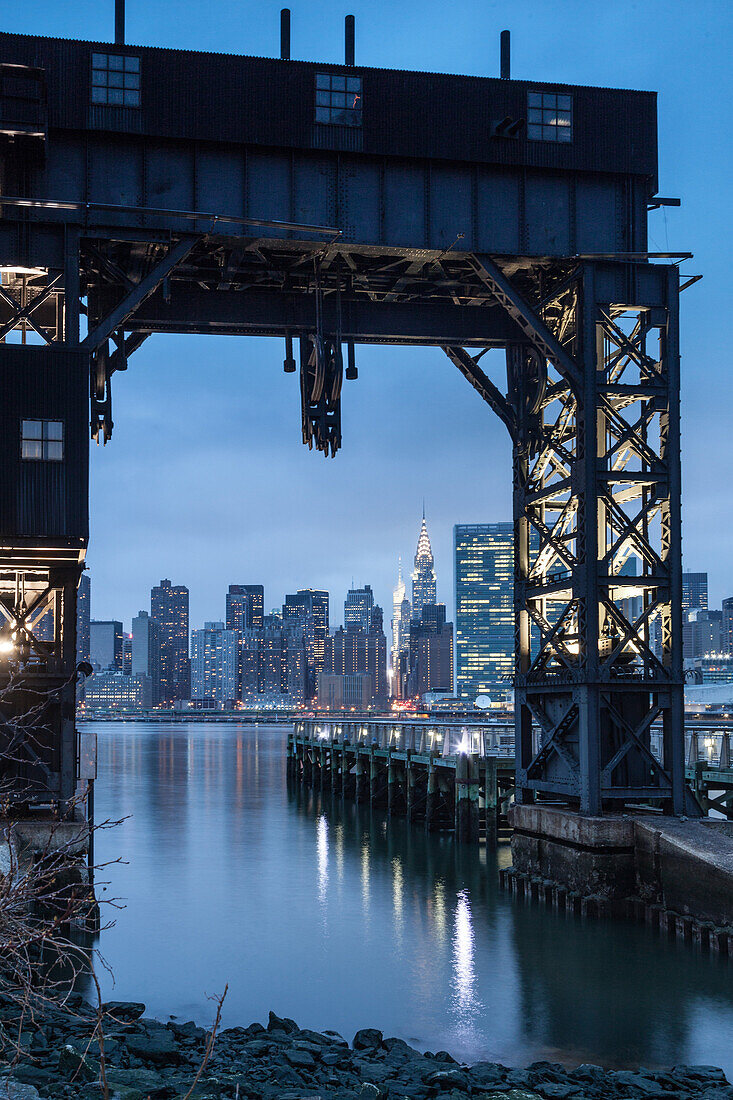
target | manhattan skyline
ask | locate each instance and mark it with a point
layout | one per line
(206, 480)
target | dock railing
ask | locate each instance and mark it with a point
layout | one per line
(446, 739)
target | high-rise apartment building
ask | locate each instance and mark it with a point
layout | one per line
(484, 591)
(694, 591)
(308, 608)
(702, 634)
(726, 628)
(146, 651)
(44, 628)
(127, 655)
(169, 609)
(358, 607)
(83, 617)
(355, 652)
(296, 673)
(431, 652)
(272, 661)
(245, 607)
(105, 644)
(214, 665)
(423, 574)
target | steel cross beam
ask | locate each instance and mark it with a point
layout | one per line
(471, 371)
(138, 293)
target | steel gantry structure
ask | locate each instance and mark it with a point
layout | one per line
(147, 191)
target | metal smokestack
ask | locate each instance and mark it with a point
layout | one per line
(505, 56)
(349, 36)
(285, 34)
(119, 22)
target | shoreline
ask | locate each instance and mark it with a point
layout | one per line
(145, 1059)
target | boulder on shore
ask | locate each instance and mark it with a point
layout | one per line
(145, 1059)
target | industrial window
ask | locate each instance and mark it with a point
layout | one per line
(42, 440)
(338, 99)
(115, 80)
(549, 117)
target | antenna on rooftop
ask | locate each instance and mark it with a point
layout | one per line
(285, 34)
(349, 35)
(506, 60)
(119, 22)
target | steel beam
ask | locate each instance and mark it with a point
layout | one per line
(134, 297)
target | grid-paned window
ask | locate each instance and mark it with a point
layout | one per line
(338, 99)
(42, 440)
(549, 117)
(115, 80)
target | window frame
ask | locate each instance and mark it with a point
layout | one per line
(51, 446)
(550, 113)
(111, 79)
(327, 92)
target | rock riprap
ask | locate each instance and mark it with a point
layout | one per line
(144, 1058)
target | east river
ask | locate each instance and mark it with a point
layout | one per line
(332, 916)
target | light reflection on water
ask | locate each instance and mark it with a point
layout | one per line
(322, 858)
(467, 1005)
(321, 912)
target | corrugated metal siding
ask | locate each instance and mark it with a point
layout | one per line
(206, 97)
(346, 138)
(44, 499)
(42, 503)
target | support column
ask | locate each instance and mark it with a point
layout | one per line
(491, 808)
(431, 799)
(596, 490)
(360, 779)
(391, 784)
(409, 788)
(373, 776)
(466, 798)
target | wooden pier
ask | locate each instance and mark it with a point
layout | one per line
(446, 777)
(454, 776)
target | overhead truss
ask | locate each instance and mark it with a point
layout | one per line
(591, 402)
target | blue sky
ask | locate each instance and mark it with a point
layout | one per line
(206, 481)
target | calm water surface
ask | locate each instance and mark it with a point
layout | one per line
(326, 914)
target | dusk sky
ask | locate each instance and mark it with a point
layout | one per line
(206, 480)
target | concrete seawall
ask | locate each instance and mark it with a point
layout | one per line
(681, 867)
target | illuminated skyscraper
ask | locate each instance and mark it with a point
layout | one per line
(431, 652)
(214, 665)
(423, 575)
(694, 591)
(358, 607)
(245, 607)
(726, 633)
(146, 651)
(484, 580)
(83, 617)
(357, 652)
(169, 609)
(309, 608)
(401, 614)
(105, 644)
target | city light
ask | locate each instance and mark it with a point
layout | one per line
(7, 646)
